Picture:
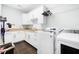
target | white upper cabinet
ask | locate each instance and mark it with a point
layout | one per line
(37, 14)
(34, 17)
(14, 16)
(26, 19)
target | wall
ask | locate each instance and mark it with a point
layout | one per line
(64, 16)
(14, 16)
(0, 9)
(0, 23)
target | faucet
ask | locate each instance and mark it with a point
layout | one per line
(74, 31)
(61, 30)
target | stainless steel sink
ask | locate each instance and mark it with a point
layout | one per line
(72, 31)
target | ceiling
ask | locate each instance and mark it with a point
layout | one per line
(58, 8)
(53, 7)
(23, 7)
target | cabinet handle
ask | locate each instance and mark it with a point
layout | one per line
(28, 36)
(14, 36)
(50, 36)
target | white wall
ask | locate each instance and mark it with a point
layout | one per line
(0, 9)
(14, 16)
(65, 16)
(0, 23)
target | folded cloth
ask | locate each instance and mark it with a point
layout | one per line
(2, 50)
(6, 47)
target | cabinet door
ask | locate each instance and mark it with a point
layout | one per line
(19, 35)
(39, 15)
(31, 38)
(36, 14)
(45, 43)
(27, 37)
(27, 19)
(1, 42)
(9, 37)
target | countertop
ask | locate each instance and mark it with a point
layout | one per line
(69, 36)
(21, 29)
(69, 39)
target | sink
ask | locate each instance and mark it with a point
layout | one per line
(71, 31)
(27, 26)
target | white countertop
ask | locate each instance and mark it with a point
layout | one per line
(69, 39)
(69, 36)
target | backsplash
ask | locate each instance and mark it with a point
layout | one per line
(71, 31)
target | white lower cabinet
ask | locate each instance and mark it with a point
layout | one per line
(19, 35)
(31, 38)
(9, 37)
(41, 40)
(45, 43)
(14, 36)
(1, 40)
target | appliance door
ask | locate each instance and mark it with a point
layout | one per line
(67, 47)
